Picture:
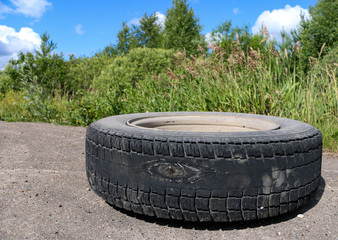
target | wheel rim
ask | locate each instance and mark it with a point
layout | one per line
(203, 123)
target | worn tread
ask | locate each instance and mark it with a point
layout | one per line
(116, 163)
(194, 208)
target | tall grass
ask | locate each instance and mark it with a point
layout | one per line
(242, 83)
(236, 80)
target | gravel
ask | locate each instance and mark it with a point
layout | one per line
(44, 194)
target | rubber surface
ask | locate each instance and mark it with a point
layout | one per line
(196, 176)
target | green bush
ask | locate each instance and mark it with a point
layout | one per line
(12, 106)
(6, 82)
(328, 62)
(109, 90)
(88, 107)
(83, 70)
(126, 71)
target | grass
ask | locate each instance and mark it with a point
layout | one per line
(213, 84)
(237, 81)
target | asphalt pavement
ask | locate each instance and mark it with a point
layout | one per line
(44, 194)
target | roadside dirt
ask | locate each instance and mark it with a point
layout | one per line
(44, 194)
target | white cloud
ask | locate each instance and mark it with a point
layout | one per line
(29, 8)
(79, 29)
(208, 37)
(4, 9)
(134, 21)
(160, 20)
(286, 18)
(235, 11)
(211, 39)
(12, 42)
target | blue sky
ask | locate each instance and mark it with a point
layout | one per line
(85, 27)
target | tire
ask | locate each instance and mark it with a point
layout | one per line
(270, 168)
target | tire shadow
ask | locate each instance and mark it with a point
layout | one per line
(212, 226)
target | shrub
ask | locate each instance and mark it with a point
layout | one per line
(83, 70)
(124, 75)
(12, 107)
(6, 82)
(134, 67)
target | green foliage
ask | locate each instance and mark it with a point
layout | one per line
(90, 106)
(328, 63)
(243, 50)
(287, 42)
(238, 40)
(321, 29)
(182, 28)
(109, 51)
(6, 82)
(47, 46)
(181, 31)
(242, 72)
(25, 106)
(226, 36)
(151, 32)
(48, 68)
(38, 103)
(83, 70)
(108, 91)
(126, 71)
(128, 38)
(212, 84)
(147, 34)
(139, 82)
(12, 106)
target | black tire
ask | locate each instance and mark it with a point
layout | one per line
(198, 176)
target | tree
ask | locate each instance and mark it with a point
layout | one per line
(225, 36)
(110, 51)
(147, 34)
(45, 68)
(182, 30)
(228, 37)
(128, 38)
(151, 32)
(47, 46)
(321, 29)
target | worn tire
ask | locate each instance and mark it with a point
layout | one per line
(198, 176)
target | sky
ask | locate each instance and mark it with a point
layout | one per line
(83, 27)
